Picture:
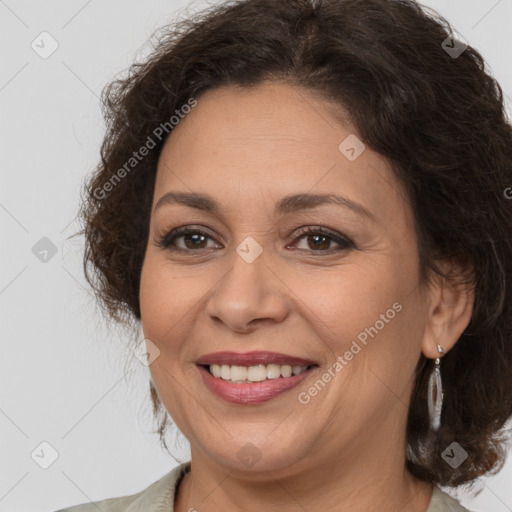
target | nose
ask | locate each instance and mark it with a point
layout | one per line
(248, 295)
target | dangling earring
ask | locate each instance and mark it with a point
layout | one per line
(435, 393)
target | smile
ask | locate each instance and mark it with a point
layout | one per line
(252, 377)
(261, 372)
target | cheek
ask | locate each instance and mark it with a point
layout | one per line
(164, 303)
(344, 300)
(166, 297)
(154, 295)
(367, 315)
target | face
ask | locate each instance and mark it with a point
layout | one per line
(248, 278)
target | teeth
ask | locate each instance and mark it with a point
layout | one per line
(286, 370)
(256, 373)
(273, 371)
(297, 369)
(225, 372)
(238, 372)
(215, 370)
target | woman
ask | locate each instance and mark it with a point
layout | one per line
(319, 255)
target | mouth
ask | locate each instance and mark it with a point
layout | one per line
(237, 374)
(253, 377)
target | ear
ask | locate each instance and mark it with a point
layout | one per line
(451, 305)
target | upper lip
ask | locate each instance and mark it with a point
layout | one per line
(252, 359)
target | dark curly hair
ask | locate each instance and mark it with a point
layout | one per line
(439, 118)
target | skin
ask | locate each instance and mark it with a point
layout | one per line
(344, 450)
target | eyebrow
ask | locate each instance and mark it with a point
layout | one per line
(288, 204)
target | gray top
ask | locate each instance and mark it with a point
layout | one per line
(159, 497)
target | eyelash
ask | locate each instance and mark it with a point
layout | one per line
(165, 242)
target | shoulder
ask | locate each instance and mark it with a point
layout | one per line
(157, 496)
(443, 502)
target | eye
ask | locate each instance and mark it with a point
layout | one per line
(319, 239)
(193, 239)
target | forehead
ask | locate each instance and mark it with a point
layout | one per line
(245, 144)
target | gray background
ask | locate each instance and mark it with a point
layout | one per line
(66, 378)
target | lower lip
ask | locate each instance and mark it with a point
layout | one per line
(254, 393)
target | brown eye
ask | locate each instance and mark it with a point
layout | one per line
(193, 239)
(319, 239)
